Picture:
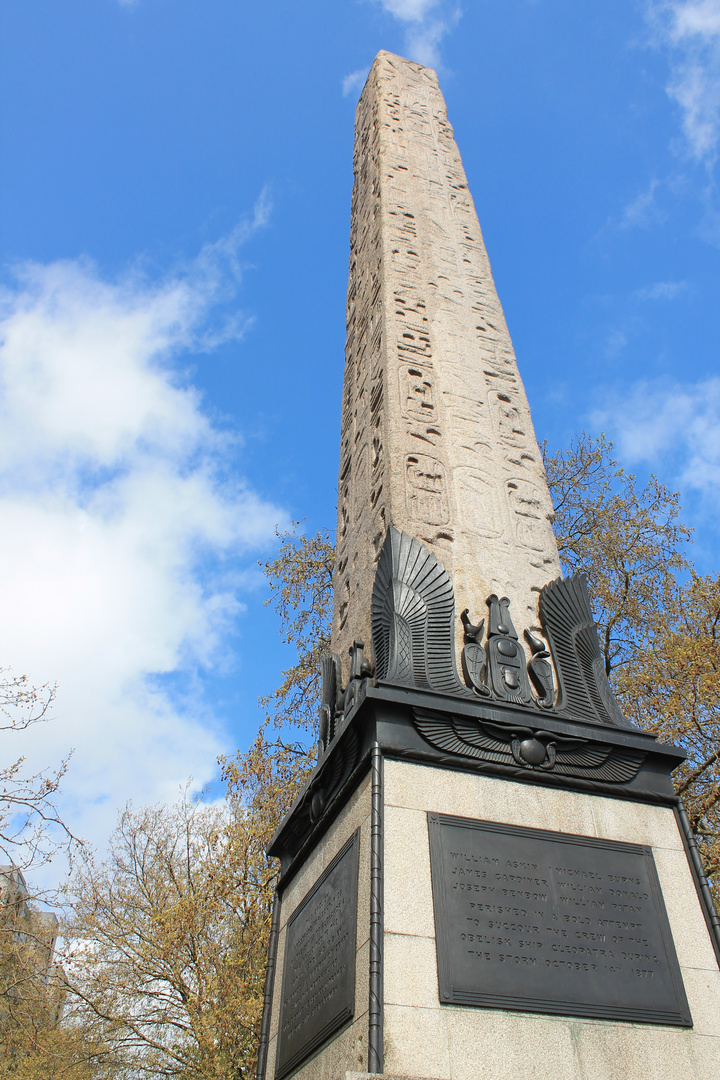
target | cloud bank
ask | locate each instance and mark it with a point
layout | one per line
(123, 541)
(689, 30)
(675, 424)
(424, 23)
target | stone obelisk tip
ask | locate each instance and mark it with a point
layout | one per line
(394, 64)
(384, 56)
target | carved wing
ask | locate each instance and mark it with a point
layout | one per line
(584, 691)
(331, 675)
(611, 764)
(580, 758)
(462, 735)
(412, 613)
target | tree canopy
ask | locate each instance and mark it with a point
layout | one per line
(658, 620)
(35, 1044)
(31, 829)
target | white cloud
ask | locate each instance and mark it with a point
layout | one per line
(642, 210)
(662, 290)
(354, 82)
(617, 339)
(690, 31)
(423, 41)
(410, 10)
(426, 23)
(121, 544)
(674, 424)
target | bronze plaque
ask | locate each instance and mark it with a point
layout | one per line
(318, 987)
(552, 923)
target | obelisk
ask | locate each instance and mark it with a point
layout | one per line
(436, 433)
(488, 874)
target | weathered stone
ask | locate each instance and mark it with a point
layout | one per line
(436, 435)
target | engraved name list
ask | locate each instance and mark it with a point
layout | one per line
(551, 922)
(318, 988)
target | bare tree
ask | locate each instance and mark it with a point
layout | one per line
(168, 935)
(31, 829)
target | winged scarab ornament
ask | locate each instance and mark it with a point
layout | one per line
(529, 748)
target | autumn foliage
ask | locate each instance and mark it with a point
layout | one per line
(658, 620)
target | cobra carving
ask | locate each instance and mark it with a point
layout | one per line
(336, 703)
(474, 657)
(499, 669)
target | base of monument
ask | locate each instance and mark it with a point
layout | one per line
(399, 827)
(374, 1076)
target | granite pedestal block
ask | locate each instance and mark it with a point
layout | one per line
(599, 920)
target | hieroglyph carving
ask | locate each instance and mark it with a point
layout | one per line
(498, 669)
(436, 434)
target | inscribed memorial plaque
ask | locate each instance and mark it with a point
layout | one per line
(318, 988)
(552, 923)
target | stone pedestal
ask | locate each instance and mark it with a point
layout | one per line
(380, 751)
(347, 1049)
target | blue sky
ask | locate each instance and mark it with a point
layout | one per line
(175, 205)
